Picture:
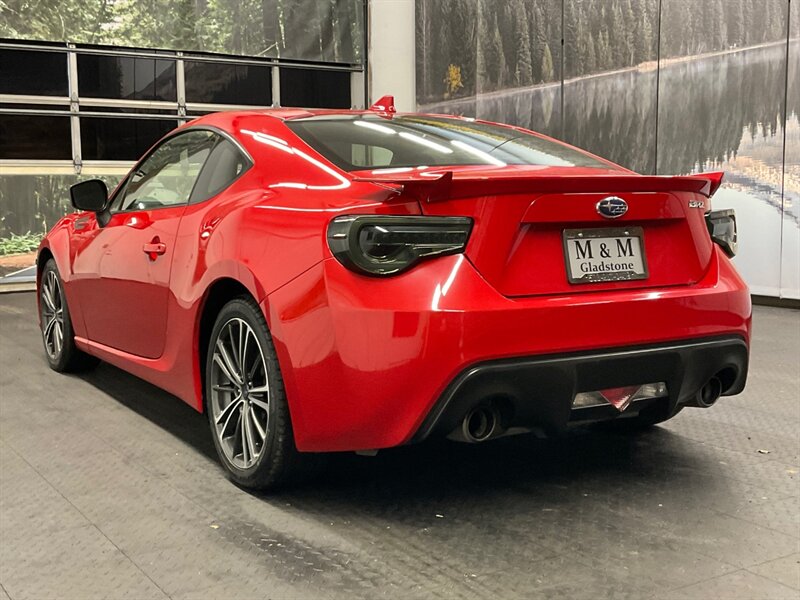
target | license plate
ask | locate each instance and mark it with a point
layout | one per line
(612, 254)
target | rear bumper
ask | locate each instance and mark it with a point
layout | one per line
(366, 361)
(537, 393)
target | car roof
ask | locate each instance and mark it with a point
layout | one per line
(290, 113)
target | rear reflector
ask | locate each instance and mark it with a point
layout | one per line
(621, 397)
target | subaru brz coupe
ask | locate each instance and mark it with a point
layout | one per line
(332, 280)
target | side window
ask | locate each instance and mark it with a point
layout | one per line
(167, 176)
(223, 166)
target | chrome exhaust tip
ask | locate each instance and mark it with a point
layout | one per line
(708, 394)
(480, 424)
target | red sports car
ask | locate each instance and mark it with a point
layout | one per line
(329, 280)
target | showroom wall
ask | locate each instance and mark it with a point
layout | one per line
(87, 87)
(659, 86)
(317, 30)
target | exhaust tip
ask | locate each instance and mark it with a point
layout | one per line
(480, 424)
(709, 393)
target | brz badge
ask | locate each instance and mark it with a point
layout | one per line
(697, 204)
(612, 207)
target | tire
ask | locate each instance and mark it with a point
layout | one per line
(56, 325)
(252, 460)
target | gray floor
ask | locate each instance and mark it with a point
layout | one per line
(109, 488)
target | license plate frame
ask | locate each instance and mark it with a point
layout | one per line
(593, 235)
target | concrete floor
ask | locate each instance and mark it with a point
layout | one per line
(109, 488)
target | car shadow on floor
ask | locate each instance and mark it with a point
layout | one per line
(160, 407)
(436, 467)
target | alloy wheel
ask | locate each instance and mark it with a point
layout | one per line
(239, 393)
(52, 315)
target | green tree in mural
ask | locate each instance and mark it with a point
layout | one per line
(523, 74)
(644, 36)
(491, 60)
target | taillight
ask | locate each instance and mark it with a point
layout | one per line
(389, 244)
(722, 227)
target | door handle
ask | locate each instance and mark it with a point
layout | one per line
(154, 249)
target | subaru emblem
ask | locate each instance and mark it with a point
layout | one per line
(612, 207)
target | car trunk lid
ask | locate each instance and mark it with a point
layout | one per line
(543, 231)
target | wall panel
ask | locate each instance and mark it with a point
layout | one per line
(721, 108)
(790, 238)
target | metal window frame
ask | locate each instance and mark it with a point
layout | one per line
(75, 106)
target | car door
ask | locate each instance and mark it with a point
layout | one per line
(122, 269)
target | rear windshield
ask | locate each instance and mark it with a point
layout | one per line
(370, 142)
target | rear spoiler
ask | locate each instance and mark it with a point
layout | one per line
(448, 187)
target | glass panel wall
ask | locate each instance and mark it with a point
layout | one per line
(317, 30)
(315, 89)
(35, 137)
(33, 73)
(110, 138)
(228, 84)
(126, 77)
(94, 110)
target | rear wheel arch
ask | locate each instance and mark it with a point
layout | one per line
(218, 294)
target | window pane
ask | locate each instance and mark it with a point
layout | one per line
(309, 88)
(228, 84)
(36, 137)
(33, 73)
(167, 176)
(126, 78)
(106, 138)
(371, 142)
(224, 165)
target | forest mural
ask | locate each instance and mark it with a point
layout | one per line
(466, 47)
(659, 86)
(326, 30)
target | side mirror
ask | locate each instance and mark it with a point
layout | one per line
(89, 195)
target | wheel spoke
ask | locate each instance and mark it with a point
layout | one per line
(254, 418)
(264, 404)
(243, 431)
(244, 353)
(233, 356)
(59, 337)
(47, 297)
(240, 355)
(223, 359)
(48, 330)
(52, 288)
(251, 447)
(225, 414)
(224, 388)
